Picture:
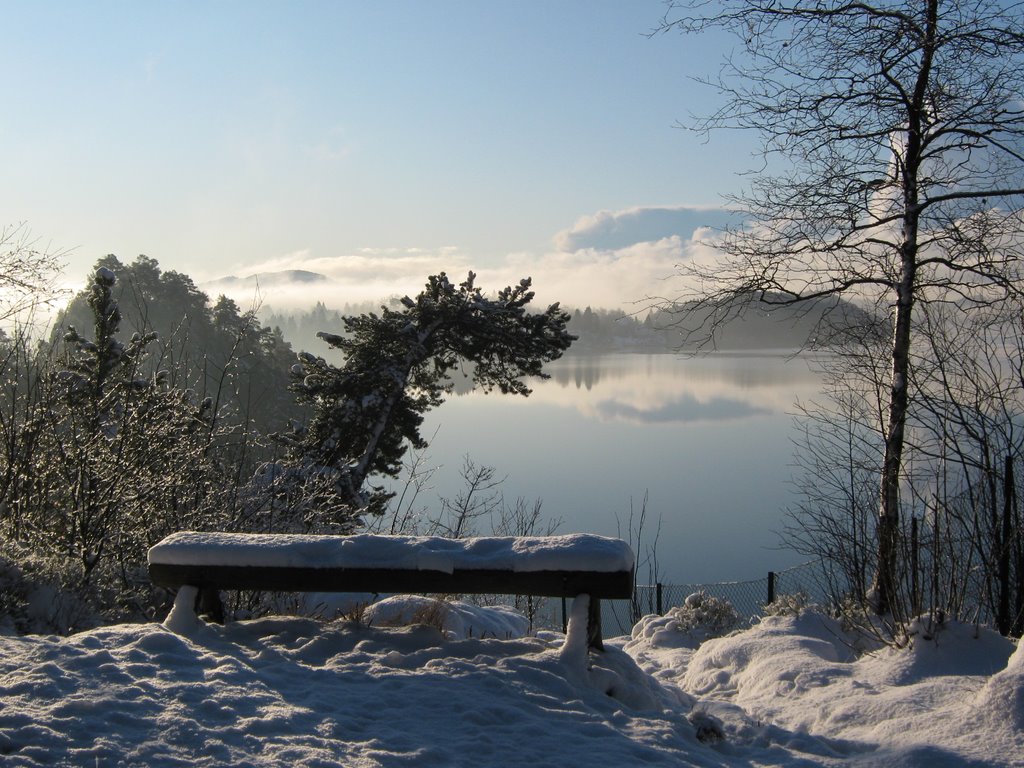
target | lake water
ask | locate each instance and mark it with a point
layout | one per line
(709, 439)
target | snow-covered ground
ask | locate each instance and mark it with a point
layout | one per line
(302, 692)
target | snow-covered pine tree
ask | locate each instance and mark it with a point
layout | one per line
(397, 366)
(89, 374)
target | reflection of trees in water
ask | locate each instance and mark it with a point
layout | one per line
(586, 372)
(580, 372)
(659, 388)
(745, 371)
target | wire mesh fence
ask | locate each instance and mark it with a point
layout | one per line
(818, 582)
(748, 598)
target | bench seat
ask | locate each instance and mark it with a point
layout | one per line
(552, 566)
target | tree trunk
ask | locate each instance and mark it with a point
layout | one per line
(915, 551)
(414, 356)
(1003, 619)
(1017, 627)
(883, 590)
(882, 596)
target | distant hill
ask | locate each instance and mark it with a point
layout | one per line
(747, 324)
(752, 324)
(283, 277)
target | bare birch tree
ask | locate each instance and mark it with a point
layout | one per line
(893, 172)
(28, 274)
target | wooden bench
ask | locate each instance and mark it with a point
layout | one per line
(548, 566)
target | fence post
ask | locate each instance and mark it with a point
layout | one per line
(565, 618)
(658, 592)
(771, 587)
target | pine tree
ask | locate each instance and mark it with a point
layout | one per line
(368, 411)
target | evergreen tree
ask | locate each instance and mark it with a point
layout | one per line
(396, 367)
(219, 351)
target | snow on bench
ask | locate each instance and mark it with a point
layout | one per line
(551, 566)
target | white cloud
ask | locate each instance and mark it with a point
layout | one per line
(599, 277)
(614, 230)
(371, 274)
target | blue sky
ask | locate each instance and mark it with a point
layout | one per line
(374, 142)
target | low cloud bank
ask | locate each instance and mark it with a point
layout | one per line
(610, 259)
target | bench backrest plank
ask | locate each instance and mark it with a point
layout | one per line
(599, 584)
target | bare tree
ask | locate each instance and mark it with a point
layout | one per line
(892, 172)
(646, 550)
(28, 272)
(479, 497)
(836, 484)
(971, 396)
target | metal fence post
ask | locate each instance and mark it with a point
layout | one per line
(661, 612)
(771, 587)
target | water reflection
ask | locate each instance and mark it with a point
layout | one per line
(749, 370)
(708, 439)
(681, 411)
(663, 389)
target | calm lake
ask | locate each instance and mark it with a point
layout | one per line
(709, 439)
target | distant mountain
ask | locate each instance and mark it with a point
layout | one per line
(267, 279)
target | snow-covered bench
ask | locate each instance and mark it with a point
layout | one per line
(551, 566)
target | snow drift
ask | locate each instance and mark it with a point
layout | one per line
(302, 692)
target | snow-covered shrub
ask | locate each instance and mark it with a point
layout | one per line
(660, 632)
(705, 613)
(38, 596)
(108, 456)
(105, 451)
(788, 605)
(699, 618)
(454, 618)
(708, 728)
(867, 632)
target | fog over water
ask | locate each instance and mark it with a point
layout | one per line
(708, 438)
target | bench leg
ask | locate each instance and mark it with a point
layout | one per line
(208, 604)
(594, 641)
